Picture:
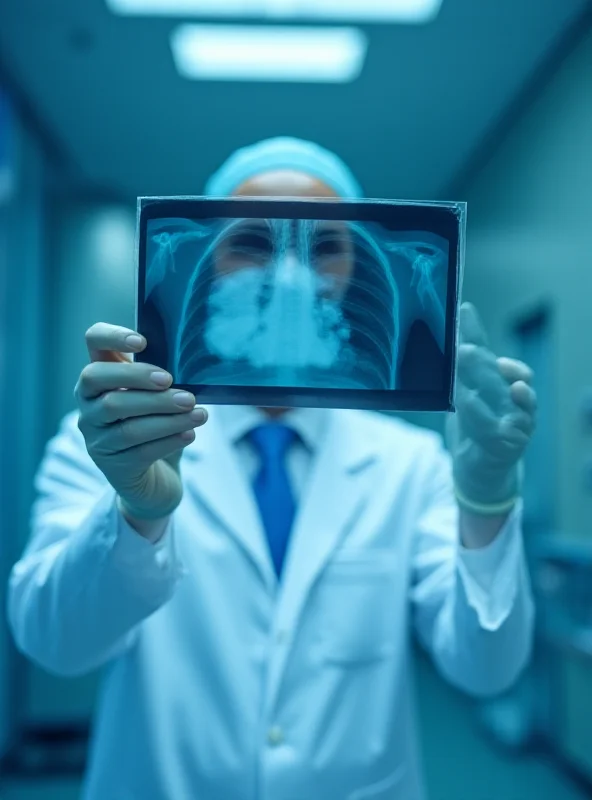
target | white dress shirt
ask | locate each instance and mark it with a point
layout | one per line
(309, 423)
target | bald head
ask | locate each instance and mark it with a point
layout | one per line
(284, 183)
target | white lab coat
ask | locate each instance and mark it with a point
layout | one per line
(222, 685)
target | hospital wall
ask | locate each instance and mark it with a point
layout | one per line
(530, 243)
(530, 247)
(90, 264)
(22, 262)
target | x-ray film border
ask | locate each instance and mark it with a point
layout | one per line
(137, 265)
(461, 213)
(458, 208)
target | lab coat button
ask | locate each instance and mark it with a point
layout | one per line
(275, 736)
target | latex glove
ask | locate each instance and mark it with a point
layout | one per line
(135, 427)
(493, 424)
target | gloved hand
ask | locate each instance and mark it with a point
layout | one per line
(134, 426)
(493, 424)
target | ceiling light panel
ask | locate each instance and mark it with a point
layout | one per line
(398, 11)
(269, 53)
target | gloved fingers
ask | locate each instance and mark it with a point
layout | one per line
(524, 396)
(122, 404)
(517, 426)
(148, 453)
(471, 327)
(513, 370)
(478, 370)
(108, 342)
(100, 377)
(503, 439)
(475, 417)
(137, 431)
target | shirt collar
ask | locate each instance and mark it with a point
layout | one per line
(309, 423)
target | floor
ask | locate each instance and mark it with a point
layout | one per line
(463, 765)
(50, 790)
(460, 765)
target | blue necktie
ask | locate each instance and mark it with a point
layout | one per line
(272, 487)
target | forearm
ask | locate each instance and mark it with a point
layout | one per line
(474, 612)
(150, 529)
(75, 604)
(476, 530)
(493, 609)
(484, 649)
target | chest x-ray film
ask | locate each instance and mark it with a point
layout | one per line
(325, 303)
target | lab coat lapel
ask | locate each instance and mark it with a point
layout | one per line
(338, 486)
(336, 493)
(212, 474)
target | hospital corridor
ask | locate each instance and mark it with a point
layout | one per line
(295, 400)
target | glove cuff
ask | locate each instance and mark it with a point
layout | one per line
(145, 514)
(489, 502)
(485, 509)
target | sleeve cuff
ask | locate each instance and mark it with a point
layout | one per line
(490, 575)
(147, 565)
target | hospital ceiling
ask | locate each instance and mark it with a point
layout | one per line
(104, 90)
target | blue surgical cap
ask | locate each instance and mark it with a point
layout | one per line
(283, 153)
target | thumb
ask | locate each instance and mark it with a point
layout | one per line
(471, 327)
(174, 460)
(452, 433)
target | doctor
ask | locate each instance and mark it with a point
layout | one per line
(253, 602)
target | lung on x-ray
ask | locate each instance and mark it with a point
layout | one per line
(330, 303)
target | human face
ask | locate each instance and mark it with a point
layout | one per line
(292, 183)
(334, 250)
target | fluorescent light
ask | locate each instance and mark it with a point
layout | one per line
(403, 11)
(268, 53)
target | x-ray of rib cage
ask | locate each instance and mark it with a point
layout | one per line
(300, 302)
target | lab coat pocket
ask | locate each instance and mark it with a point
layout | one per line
(357, 607)
(386, 788)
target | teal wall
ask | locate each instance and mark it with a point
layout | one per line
(90, 266)
(530, 243)
(21, 332)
